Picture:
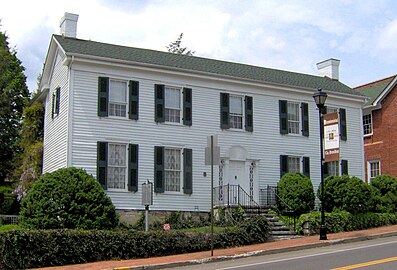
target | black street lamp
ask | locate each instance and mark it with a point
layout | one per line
(319, 98)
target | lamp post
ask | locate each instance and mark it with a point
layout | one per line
(319, 98)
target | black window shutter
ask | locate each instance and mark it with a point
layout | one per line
(159, 104)
(305, 119)
(159, 169)
(102, 163)
(326, 169)
(342, 124)
(53, 106)
(344, 165)
(58, 100)
(283, 165)
(283, 111)
(249, 114)
(306, 166)
(133, 167)
(224, 110)
(187, 171)
(187, 106)
(134, 100)
(103, 96)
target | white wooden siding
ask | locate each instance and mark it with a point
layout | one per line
(265, 144)
(56, 130)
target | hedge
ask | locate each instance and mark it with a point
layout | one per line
(24, 248)
(340, 221)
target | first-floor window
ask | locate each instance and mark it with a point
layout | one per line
(333, 168)
(294, 164)
(172, 157)
(117, 166)
(373, 169)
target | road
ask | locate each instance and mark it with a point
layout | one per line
(379, 254)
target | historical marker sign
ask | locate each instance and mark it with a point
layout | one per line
(331, 137)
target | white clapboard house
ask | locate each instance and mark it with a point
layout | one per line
(128, 115)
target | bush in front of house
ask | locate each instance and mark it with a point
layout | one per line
(346, 193)
(386, 193)
(67, 198)
(340, 221)
(295, 190)
(24, 248)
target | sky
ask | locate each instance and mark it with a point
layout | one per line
(290, 35)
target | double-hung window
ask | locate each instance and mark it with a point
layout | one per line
(117, 166)
(293, 118)
(172, 104)
(373, 169)
(118, 98)
(236, 112)
(367, 124)
(333, 168)
(294, 164)
(172, 169)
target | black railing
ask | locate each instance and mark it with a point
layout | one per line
(233, 195)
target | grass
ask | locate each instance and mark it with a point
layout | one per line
(9, 227)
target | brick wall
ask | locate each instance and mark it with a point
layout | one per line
(382, 145)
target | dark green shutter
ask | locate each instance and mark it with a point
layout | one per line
(342, 124)
(305, 119)
(187, 171)
(159, 169)
(133, 167)
(134, 100)
(187, 106)
(57, 100)
(53, 106)
(344, 165)
(306, 166)
(283, 111)
(159, 104)
(249, 114)
(283, 165)
(103, 96)
(224, 110)
(102, 163)
(326, 169)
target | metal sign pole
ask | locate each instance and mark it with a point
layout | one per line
(212, 195)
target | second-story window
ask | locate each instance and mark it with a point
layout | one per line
(236, 112)
(172, 104)
(117, 98)
(367, 124)
(293, 118)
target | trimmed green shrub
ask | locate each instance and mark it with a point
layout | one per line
(295, 190)
(386, 197)
(340, 221)
(67, 198)
(346, 193)
(257, 228)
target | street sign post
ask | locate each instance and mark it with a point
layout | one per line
(147, 200)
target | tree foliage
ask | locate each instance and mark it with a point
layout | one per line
(295, 190)
(13, 97)
(175, 47)
(67, 198)
(386, 195)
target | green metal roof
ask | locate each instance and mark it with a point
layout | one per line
(199, 64)
(375, 89)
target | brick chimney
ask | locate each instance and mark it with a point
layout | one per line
(329, 68)
(68, 25)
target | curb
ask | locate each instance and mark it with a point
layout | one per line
(259, 252)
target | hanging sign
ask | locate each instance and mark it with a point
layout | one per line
(331, 137)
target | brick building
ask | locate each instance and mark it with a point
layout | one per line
(380, 127)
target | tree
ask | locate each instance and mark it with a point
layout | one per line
(175, 47)
(14, 95)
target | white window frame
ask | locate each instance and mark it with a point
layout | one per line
(173, 114)
(367, 123)
(236, 120)
(294, 161)
(334, 168)
(370, 170)
(173, 170)
(331, 109)
(117, 103)
(294, 125)
(110, 185)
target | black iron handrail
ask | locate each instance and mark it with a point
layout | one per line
(234, 195)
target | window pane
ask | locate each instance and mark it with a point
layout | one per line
(172, 98)
(172, 169)
(236, 105)
(293, 118)
(118, 91)
(374, 169)
(333, 168)
(117, 166)
(367, 124)
(294, 164)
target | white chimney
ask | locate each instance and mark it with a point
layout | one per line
(68, 25)
(329, 68)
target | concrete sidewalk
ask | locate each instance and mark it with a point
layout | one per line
(244, 251)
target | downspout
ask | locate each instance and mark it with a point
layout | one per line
(70, 112)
